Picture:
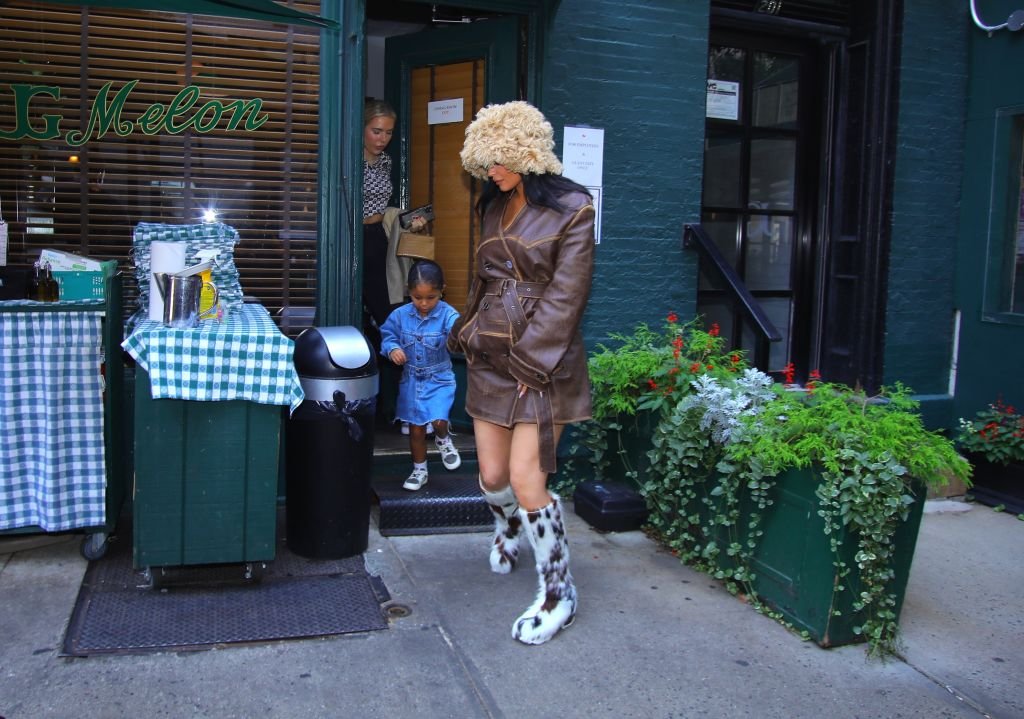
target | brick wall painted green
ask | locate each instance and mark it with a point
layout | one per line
(926, 196)
(637, 70)
(991, 357)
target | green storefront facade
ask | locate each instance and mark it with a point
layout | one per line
(860, 168)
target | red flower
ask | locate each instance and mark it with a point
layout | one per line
(714, 330)
(734, 358)
(652, 384)
(695, 367)
(672, 317)
(789, 371)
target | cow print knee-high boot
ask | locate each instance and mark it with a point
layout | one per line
(507, 525)
(555, 606)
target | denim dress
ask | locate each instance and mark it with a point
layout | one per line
(426, 391)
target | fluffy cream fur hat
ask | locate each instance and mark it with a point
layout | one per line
(513, 134)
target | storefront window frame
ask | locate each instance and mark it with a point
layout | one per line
(1005, 197)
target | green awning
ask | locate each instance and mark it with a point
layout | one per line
(265, 10)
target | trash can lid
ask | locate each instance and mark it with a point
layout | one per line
(334, 353)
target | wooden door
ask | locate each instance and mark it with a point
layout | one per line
(477, 65)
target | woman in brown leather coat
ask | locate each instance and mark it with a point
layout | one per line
(526, 361)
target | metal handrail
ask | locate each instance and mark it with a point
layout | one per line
(696, 237)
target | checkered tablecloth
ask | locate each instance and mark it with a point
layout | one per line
(52, 466)
(245, 357)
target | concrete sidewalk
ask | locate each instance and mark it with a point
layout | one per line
(653, 639)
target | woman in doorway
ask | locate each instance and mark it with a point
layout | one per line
(378, 126)
(379, 119)
(527, 367)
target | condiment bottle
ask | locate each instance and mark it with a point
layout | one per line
(32, 291)
(52, 292)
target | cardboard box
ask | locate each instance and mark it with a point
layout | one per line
(83, 285)
(65, 261)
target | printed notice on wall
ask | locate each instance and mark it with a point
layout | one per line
(723, 100)
(441, 112)
(583, 161)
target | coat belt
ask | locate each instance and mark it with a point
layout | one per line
(523, 289)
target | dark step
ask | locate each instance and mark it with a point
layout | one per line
(450, 502)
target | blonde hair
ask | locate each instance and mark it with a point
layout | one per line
(375, 107)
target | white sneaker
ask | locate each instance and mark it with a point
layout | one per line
(449, 455)
(416, 480)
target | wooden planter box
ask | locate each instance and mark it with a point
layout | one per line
(998, 484)
(794, 564)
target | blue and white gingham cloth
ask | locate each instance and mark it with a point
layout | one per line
(245, 357)
(52, 465)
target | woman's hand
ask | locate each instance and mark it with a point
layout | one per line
(397, 356)
(417, 223)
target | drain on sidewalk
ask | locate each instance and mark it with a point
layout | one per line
(397, 611)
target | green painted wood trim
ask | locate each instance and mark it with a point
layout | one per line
(339, 213)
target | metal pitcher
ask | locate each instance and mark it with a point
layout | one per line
(181, 299)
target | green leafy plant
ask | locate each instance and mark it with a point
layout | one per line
(722, 432)
(868, 452)
(634, 379)
(996, 434)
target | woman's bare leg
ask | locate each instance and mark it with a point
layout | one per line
(493, 449)
(528, 480)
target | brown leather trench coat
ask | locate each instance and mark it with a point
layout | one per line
(522, 319)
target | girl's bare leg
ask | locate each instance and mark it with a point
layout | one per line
(418, 443)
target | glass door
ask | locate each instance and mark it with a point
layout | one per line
(759, 193)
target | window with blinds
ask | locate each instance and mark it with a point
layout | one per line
(84, 190)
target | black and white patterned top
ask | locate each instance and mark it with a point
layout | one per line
(376, 185)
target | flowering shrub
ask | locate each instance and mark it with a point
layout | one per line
(721, 432)
(995, 433)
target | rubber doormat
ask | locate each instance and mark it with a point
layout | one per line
(118, 612)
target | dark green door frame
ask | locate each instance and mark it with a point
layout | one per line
(339, 285)
(339, 218)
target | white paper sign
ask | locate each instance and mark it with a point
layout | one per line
(583, 161)
(723, 101)
(441, 112)
(583, 155)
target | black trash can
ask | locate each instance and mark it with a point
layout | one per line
(329, 444)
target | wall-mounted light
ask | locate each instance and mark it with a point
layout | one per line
(1013, 23)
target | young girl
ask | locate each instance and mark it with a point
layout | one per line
(414, 336)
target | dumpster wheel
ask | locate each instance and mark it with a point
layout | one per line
(94, 546)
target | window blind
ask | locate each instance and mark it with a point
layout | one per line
(259, 177)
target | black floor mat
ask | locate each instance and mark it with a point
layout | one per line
(119, 612)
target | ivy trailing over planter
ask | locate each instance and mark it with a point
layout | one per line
(716, 455)
(724, 432)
